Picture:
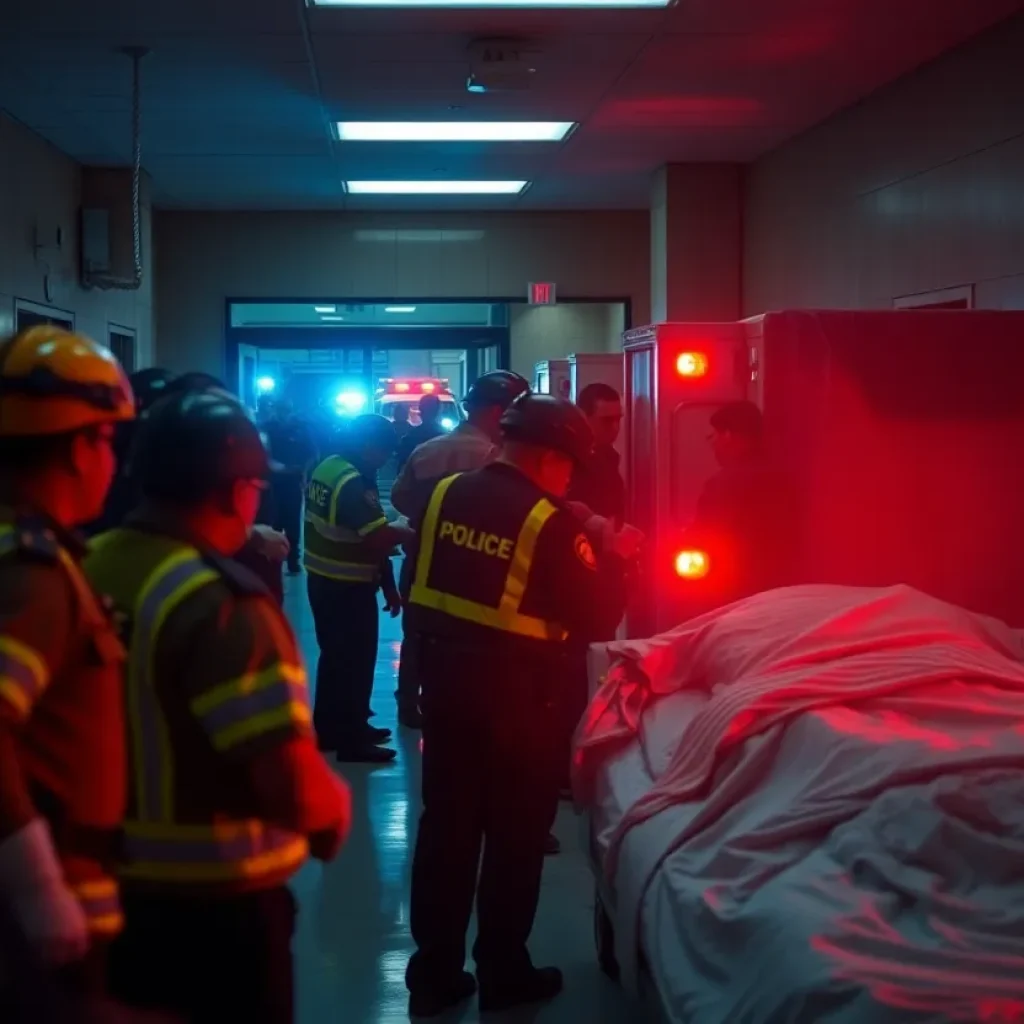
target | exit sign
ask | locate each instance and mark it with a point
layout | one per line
(541, 294)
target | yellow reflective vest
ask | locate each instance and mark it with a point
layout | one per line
(341, 510)
(191, 819)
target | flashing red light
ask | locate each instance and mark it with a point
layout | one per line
(692, 364)
(692, 565)
(402, 385)
(427, 385)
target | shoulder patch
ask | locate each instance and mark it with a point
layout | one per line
(237, 577)
(584, 551)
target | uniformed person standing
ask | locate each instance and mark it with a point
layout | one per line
(291, 444)
(62, 757)
(227, 793)
(505, 582)
(471, 445)
(348, 541)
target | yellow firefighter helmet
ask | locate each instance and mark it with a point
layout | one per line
(54, 382)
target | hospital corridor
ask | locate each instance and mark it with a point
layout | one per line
(511, 511)
(352, 938)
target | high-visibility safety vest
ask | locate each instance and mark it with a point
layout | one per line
(477, 546)
(69, 715)
(183, 826)
(340, 511)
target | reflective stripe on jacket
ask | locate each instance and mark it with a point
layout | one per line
(173, 834)
(503, 547)
(61, 696)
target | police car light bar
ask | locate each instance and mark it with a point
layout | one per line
(405, 386)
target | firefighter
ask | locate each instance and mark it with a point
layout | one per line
(470, 445)
(505, 581)
(147, 386)
(227, 793)
(348, 545)
(62, 758)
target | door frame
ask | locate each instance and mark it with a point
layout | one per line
(475, 338)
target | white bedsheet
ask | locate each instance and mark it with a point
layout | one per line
(630, 771)
(861, 863)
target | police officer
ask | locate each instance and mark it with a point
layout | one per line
(348, 544)
(471, 445)
(62, 758)
(505, 581)
(227, 793)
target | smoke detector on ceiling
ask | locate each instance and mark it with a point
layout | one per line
(501, 65)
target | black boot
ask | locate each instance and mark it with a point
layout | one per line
(433, 1002)
(536, 986)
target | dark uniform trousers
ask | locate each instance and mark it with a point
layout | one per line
(493, 745)
(230, 957)
(288, 493)
(347, 622)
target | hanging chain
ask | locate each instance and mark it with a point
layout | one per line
(131, 283)
(137, 163)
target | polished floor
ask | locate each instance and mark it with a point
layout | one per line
(353, 935)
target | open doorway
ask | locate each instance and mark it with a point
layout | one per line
(327, 361)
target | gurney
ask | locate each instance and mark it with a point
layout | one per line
(809, 807)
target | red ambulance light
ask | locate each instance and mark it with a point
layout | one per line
(402, 385)
(692, 364)
(692, 565)
(427, 385)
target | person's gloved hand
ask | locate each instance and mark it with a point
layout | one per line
(32, 882)
(325, 844)
(270, 543)
(626, 543)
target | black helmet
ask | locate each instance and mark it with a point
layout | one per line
(196, 380)
(191, 443)
(148, 386)
(549, 422)
(373, 430)
(499, 387)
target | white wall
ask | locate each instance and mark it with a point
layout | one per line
(554, 332)
(40, 188)
(918, 188)
(204, 259)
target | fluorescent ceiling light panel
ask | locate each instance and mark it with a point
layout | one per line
(454, 131)
(399, 309)
(325, 309)
(332, 318)
(484, 4)
(435, 188)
